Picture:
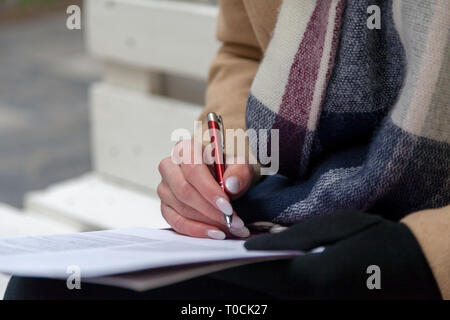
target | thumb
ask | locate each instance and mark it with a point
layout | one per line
(238, 178)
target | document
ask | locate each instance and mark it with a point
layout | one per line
(136, 258)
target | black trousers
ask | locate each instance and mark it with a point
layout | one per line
(202, 288)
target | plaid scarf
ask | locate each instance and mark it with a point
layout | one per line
(363, 115)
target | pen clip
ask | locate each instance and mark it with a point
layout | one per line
(222, 130)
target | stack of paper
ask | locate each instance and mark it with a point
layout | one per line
(135, 258)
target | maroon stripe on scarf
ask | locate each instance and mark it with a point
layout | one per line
(294, 113)
(297, 99)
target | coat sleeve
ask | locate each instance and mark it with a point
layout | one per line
(233, 69)
(432, 230)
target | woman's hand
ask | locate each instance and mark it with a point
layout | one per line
(193, 203)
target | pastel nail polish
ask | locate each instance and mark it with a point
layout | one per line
(215, 234)
(224, 206)
(237, 223)
(241, 233)
(233, 184)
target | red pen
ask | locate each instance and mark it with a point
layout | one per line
(217, 134)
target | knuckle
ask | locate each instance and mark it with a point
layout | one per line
(177, 223)
(170, 219)
(167, 218)
(183, 209)
(190, 171)
(160, 190)
(183, 191)
(163, 212)
(162, 165)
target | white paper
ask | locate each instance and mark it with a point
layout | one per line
(105, 253)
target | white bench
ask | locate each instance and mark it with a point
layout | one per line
(156, 55)
(16, 223)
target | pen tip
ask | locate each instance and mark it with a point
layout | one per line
(228, 221)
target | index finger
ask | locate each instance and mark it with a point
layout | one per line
(200, 177)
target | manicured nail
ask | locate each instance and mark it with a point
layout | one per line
(224, 206)
(216, 234)
(241, 233)
(237, 223)
(277, 228)
(232, 184)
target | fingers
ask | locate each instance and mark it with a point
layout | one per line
(185, 193)
(190, 227)
(238, 178)
(168, 199)
(190, 195)
(199, 176)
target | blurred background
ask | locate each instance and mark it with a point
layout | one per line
(86, 115)
(45, 74)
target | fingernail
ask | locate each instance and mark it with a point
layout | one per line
(216, 234)
(277, 228)
(241, 233)
(224, 206)
(237, 223)
(232, 184)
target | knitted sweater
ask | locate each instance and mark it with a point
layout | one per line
(363, 114)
